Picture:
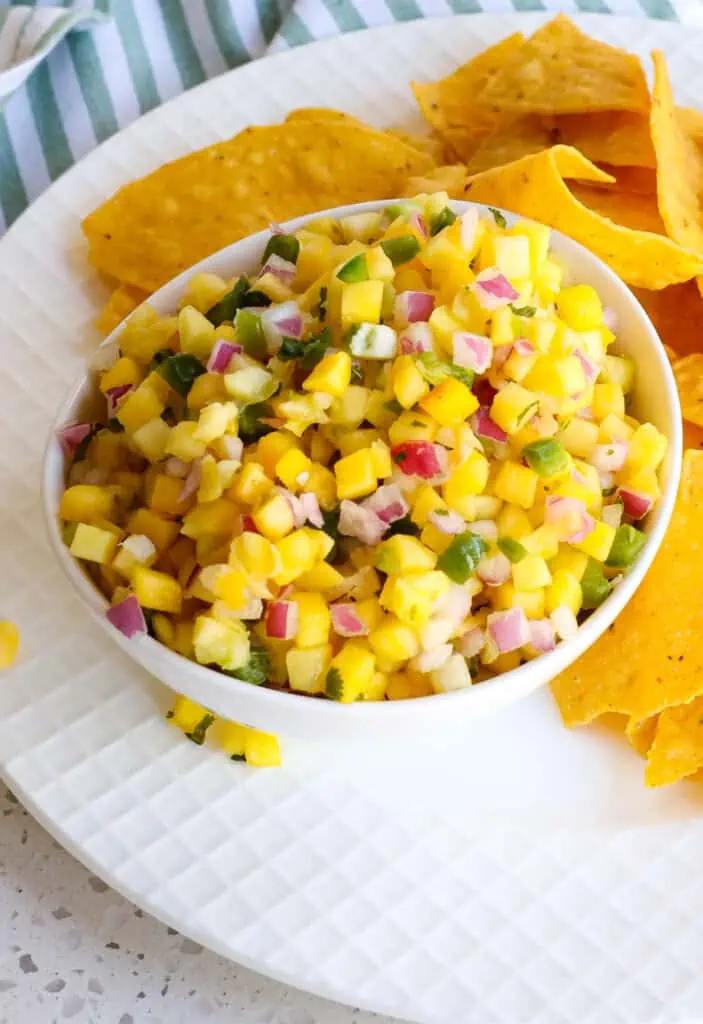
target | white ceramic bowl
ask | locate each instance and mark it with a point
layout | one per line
(655, 399)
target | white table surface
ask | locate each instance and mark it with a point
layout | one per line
(73, 949)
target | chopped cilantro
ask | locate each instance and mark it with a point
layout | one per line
(498, 217)
(526, 311)
(199, 732)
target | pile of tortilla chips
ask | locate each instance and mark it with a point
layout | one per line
(559, 127)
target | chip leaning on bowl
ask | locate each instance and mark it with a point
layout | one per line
(398, 461)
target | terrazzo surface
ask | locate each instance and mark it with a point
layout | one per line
(73, 949)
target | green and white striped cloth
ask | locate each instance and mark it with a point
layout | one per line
(81, 70)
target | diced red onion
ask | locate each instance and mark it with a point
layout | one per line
(221, 355)
(234, 446)
(282, 319)
(294, 505)
(508, 630)
(612, 514)
(472, 642)
(585, 412)
(250, 612)
(388, 503)
(362, 523)
(636, 505)
(428, 661)
(416, 221)
(610, 319)
(435, 632)
(420, 458)
(411, 307)
(416, 338)
(346, 620)
(127, 616)
(71, 436)
(447, 521)
(542, 635)
(282, 269)
(608, 458)
(494, 571)
(564, 622)
(282, 620)
(493, 290)
(176, 467)
(485, 528)
(116, 395)
(473, 351)
(192, 481)
(523, 347)
(484, 391)
(483, 425)
(247, 524)
(468, 226)
(311, 508)
(590, 369)
(569, 514)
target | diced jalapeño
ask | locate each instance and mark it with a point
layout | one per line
(354, 270)
(627, 544)
(285, 246)
(546, 457)
(594, 585)
(513, 550)
(401, 250)
(460, 559)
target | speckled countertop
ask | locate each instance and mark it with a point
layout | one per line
(72, 949)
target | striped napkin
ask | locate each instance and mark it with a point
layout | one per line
(73, 89)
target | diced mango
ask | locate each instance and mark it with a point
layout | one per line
(84, 503)
(332, 375)
(513, 406)
(407, 382)
(564, 589)
(580, 307)
(516, 484)
(350, 672)
(393, 640)
(531, 573)
(450, 402)
(251, 484)
(355, 475)
(315, 620)
(598, 542)
(93, 544)
(307, 668)
(401, 554)
(468, 479)
(274, 518)
(156, 590)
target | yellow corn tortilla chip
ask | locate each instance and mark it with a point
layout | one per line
(156, 227)
(677, 749)
(450, 179)
(123, 300)
(679, 166)
(688, 372)
(534, 187)
(676, 314)
(612, 137)
(428, 144)
(640, 733)
(650, 658)
(560, 70)
(692, 123)
(642, 180)
(453, 105)
(629, 209)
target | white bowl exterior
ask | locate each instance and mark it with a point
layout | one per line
(656, 399)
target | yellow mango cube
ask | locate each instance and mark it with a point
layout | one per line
(513, 406)
(393, 640)
(208, 387)
(531, 573)
(93, 544)
(183, 443)
(598, 542)
(434, 539)
(151, 439)
(274, 518)
(215, 518)
(251, 484)
(298, 553)
(261, 749)
(323, 484)
(468, 479)
(564, 589)
(140, 406)
(407, 382)
(381, 457)
(332, 375)
(320, 578)
(165, 494)
(425, 500)
(412, 426)
(123, 371)
(415, 595)
(567, 559)
(355, 475)
(307, 668)
(156, 590)
(401, 554)
(350, 672)
(293, 469)
(608, 400)
(580, 307)
(196, 333)
(315, 620)
(84, 503)
(647, 447)
(516, 484)
(162, 532)
(361, 302)
(579, 437)
(450, 402)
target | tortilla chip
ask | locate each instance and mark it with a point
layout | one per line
(677, 750)
(691, 121)
(688, 372)
(640, 733)
(535, 187)
(426, 144)
(651, 657)
(641, 180)
(450, 179)
(676, 314)
(679, 166)
(154, 228)
(430, 145)
(560, 70)
(613, 137)
(123, 300)
(453, 105)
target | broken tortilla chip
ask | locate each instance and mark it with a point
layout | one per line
(688, 372)
(677, 749)
(154, 228)
(120, 304)
(534, 187)
(453, 105)
(679, 166)
(560, 70)
(650, 658)
(640, 733)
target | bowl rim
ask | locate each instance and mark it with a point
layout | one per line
(551, 663)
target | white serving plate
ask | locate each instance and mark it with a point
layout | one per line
(655, 399)
(522, 873)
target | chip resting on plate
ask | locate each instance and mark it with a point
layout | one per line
(427, 144)
(651, 657)
(640, 733)
(154, 228)
(535, 187)
(454, 107)
(679, 166)
(676, 751)
(688, 372)
(560, 70)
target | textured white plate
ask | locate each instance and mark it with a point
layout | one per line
(524, 874)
